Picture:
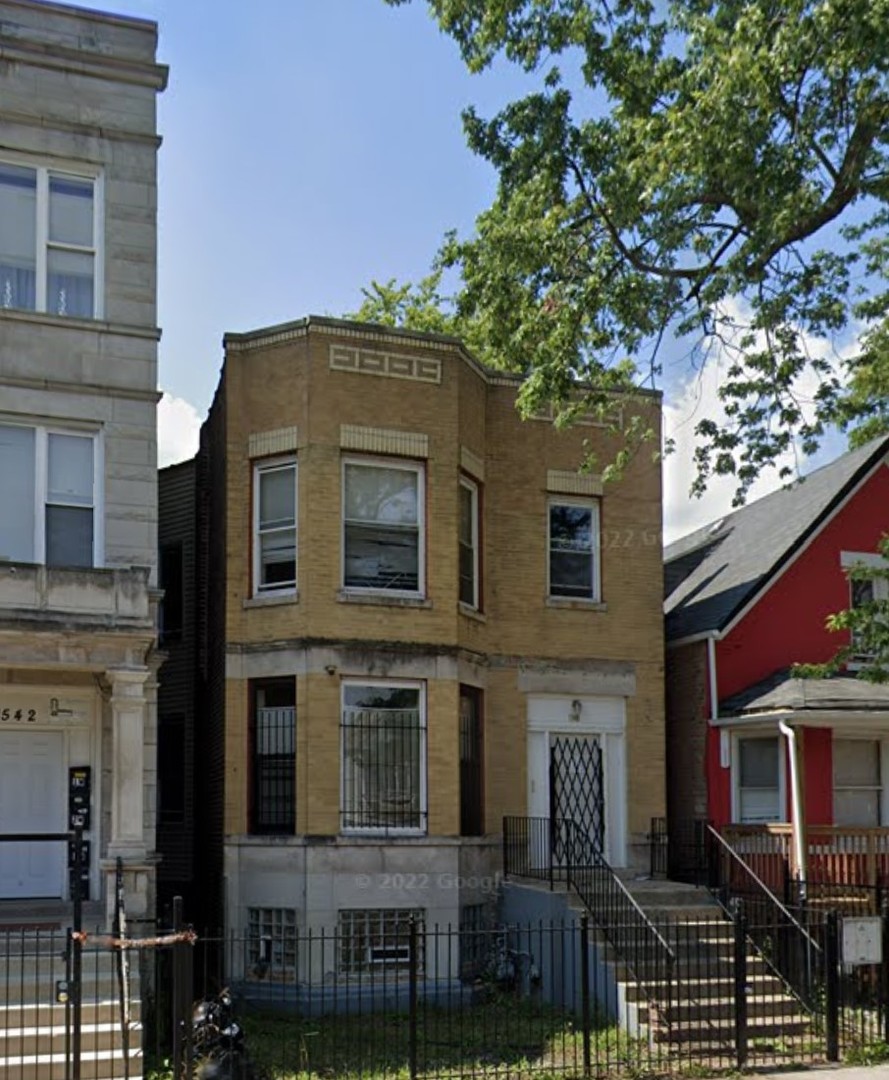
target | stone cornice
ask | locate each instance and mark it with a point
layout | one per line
(21, 48)
(91, 131)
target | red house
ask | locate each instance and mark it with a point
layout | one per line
(794, 773)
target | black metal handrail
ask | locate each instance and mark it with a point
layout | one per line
(559, 850)
(648, 956)
(778, 935)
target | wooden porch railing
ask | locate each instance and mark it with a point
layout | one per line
(838, 856)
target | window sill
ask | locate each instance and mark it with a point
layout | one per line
(271, 600)
(471, 612)
(381, 833)
(346, 596)
(575, 604)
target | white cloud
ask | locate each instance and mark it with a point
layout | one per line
(698, 398)
(178, 428)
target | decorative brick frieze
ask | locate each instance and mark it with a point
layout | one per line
(425, 369)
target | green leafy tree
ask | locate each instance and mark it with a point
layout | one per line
(709, 170)
(712, 173)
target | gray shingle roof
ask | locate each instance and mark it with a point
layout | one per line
(781, 692)
(714, 571)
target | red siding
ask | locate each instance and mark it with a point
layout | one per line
(787, 626)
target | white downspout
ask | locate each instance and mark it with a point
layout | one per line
(796, 803)
(711, 668)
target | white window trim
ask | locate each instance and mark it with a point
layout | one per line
(417, 467)
(387, 830)
(76, 171)
(588, 504)
(259, 467)
(41, 484)
(736, 776)
(850, 560)
(472, 487)
(883, 751)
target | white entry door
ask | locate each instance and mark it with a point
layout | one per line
(32, 800)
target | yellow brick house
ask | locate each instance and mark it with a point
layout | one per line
(407, 597)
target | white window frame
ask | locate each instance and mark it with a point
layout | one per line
(595, 554)
(880, 586)
(388, 830)
(417, 467)
(737, 739)
(43, 243)
(270, 465)
(472, 487)
(883, 788)
(42, 433)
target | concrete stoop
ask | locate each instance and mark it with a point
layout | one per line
(698, 1010)
(33, 1024)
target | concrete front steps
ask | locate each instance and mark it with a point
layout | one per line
(33, 1024)
(698, 1012)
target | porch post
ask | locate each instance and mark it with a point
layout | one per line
(127, 763)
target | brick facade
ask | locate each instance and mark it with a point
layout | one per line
(334, 391)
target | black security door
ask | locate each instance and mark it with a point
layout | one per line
(577, 796)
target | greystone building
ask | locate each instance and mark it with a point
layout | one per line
(78, 488)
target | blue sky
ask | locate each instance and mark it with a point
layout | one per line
(310, 146)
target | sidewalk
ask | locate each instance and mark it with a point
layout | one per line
(833, 1072)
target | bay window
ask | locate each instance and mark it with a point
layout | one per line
(273, 803)
(383, 526)
(274, 515)
(383, 757)
(574, 549)
(468, 544)
(49, 489)
(49, 224)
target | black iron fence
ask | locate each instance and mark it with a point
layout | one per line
(518, 1001)
(525, 1000)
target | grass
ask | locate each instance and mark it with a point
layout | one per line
(502, 1037)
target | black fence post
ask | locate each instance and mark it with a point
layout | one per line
(412, 998)
(181, 998)
(585, 992)
(76, 943)
(832, 987)
(740, 966)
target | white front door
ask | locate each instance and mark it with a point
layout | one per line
(32, 800)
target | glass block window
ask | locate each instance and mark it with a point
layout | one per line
(377, 940)
(271, 944)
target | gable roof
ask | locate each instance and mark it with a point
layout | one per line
(712, 573)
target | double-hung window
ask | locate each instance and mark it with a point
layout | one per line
(574, 549)
(383, 526)
(468, 544)
(274, 516)
(759, 780)
(868, 587)
(383, 757)
(49, 255)
(49, 489)
(857, 782)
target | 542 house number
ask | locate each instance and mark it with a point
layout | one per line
(18, 716)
